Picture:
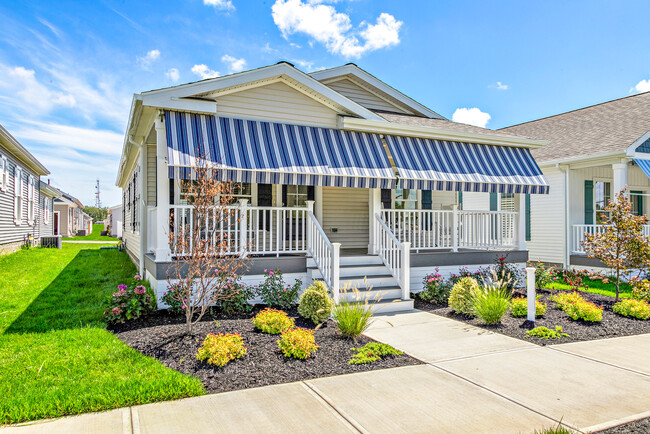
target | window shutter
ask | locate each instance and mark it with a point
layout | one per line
(639, 198)
(589, 202)
(460, 200)
(311, 194)
(494, 201)
(386, 198)
(528, 222)
(426, 199)
(285, 199)
(264, 195)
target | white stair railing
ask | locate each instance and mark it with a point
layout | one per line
(325, 254)
(394, 254)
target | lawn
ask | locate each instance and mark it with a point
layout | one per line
(56, 356)
(597, 286)
(95, 236)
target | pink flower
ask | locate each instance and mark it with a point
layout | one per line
(116, 311)
(137, 277)
(265, 270)
(140, 290)
(431, 280)
(270, 272)
(120, 293)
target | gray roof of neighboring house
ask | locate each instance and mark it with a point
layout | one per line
(71, 198)
(20, 152)
(606, 127)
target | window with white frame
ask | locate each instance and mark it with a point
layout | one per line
(238, 190)
(297, 195)
(46, 210)
(507, 202)
(602, 195)
(18, 195)
(31, 205)
(4, 173)
(405, 198)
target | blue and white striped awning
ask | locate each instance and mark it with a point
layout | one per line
(644, 165)
(274, 153)
(441, 165)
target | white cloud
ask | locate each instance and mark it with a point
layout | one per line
(642, 86)
(204, 72)
(501, 86)
(27, 93)
(224, 5)
(234, 64)
(149, 58)
(334, 29)
(471, 116)
(173, 74)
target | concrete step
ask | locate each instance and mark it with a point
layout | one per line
(361, 260)
(362, 281)
(390, 306)
(374, 294)
(357, 270)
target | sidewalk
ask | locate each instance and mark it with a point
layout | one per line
(473, 381)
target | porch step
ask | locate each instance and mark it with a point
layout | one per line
(375, 294)
(357, 270)
(390, 306)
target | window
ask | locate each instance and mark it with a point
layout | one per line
(296, 196)
(31, 206)
(239, 190)
(18, 195)
(636, 197)
(46, 210)
(405, 198)
(4, 173)
(602, 195)
(507, 201)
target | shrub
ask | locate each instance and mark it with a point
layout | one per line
(490, 303)
(273, 321)
(435, 289)
(641, 290)
(371, 352)
(577, 307)
(222, 348)
(130, 301)
(460, 297)
(544, 276)
(508, 273)
(236, 296)
(173, 302)
(315, 303)
(639, 309)
(519, 307)
(274, 293)
(479, 275)
(546, 333)
(297, 343)
(352, 317)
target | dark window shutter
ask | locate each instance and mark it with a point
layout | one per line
(284, 196)
(494, 201)
(385, 198)
(171, 191)
(589, 202)
(639, 198)
(426, 199)
(264, 195)
(310, 193)
(528, 227)
(460, 200)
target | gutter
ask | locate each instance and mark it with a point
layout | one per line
(581, 158)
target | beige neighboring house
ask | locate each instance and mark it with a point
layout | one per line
(337, 175)
(69, 215)
(48, 220)
(113, 222)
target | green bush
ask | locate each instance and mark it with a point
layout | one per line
(371, 352)
(544, 275)
(641, 290)
(490, 303)
(222, 348)
(297, 343)
(435, 289)
(460, 297)
(273, 321)
(546, 333)
(274, 293)
(352, 317)
(130, 301)
(519, 307)
(577, 307)
(315, 303)
(639, 309)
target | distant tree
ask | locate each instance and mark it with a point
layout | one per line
(621, 245)
(98, 214)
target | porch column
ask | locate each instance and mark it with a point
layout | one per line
(374, 207)
(620, 177)
(318, 206)
(520, 206)
(163, 254)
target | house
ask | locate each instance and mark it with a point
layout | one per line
(592, 154)
(113, 222)
(49, 220)
(337, 176)
(69, 214)
(20, 213)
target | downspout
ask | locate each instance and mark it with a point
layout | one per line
(567, 231)
(143, 210)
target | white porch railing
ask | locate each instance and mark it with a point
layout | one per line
(578, 235)
(394, 254)
(325, 254)
(453, 229)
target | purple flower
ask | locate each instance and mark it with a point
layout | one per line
(122, 287)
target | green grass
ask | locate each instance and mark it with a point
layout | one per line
(95, 236)
(597, 287)
(56, 357)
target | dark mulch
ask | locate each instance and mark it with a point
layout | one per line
(163, 336)
(639, 426)
(612, 324)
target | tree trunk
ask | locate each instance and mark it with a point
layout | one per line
(617, 282)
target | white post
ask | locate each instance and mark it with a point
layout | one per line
(243, 226)
(406, 270)
(310, 208)
(521, 225)
(336, 261)
(530, 293)
(163, 254)
(454, 228)
(374, 207)
(620, 177)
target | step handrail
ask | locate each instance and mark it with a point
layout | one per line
(326, 255)
(395, 255)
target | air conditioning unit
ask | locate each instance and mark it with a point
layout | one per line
(52, 241)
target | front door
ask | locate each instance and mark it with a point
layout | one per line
(56, 223)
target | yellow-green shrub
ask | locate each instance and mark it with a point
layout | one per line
(222, 348)
(460, 297)
(519, 307)
(315, 303)
(577, 307)
(273, 321)
(297, 343)
(639, 309)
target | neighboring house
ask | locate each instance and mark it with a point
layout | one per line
(337, 175)
(593, 153)
(20, 213)
(49, 220)
(113, 222)
(69, 214)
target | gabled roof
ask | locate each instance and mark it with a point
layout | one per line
(49, 190)
(70, 199)
(21, 153)
(605, 128)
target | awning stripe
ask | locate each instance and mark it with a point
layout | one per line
(644, 165)
(267, 152)
(442, 165)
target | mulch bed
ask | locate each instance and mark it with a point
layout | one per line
(163, 336)
(639, 426)
(611, 326)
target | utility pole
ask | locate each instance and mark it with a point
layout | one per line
(98, 201)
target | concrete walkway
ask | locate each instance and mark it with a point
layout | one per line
(473, 381)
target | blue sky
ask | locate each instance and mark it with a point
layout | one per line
(69, 68)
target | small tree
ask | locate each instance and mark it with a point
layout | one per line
(208, 262)
(621, 246)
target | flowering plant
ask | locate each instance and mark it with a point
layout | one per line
(435, 289)
(275, 293)
(236, 297)
(479, 275)
(544, 275)
(130, 301)
(175, 305)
